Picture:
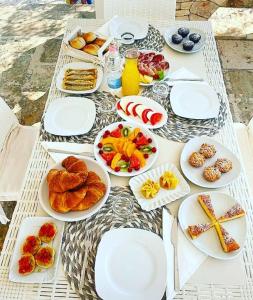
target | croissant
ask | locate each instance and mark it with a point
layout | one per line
(95, 191)
(64, 202)
(75, 165)
(61, 181)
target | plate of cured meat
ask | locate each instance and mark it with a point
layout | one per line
(215, 223)
(37, 250)
(152, 66)
(74, 189)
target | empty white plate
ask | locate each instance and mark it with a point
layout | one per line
(130, 265)
(120, 25)
(191, 213)
(194, 100)
(70, 116)
(195, 175)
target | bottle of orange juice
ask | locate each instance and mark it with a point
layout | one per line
(131, 75)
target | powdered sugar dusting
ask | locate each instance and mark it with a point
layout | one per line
(207, 200)
(227, 237)
(199, 228)
(234, 211)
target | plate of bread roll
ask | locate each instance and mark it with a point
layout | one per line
(79, 78)
(74, 189)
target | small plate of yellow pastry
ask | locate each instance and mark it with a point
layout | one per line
(159, 186)
(79, 78)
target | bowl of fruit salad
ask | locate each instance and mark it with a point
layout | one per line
(125, 149)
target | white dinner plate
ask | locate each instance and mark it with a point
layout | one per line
(179, 47)
(70, 116)
(74, 216)
(79, 65)
(191, 213)
(130, 265)
(149, 162)
(121, 25)
(31, 226)
(194, 100)
(195, 175)
(150, 104)
(164, 196)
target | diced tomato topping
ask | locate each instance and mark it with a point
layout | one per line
(127, 111)
(118, 105)
(144, 115)
(134, 110)
(108, 156)
(134, 162)
(44, 255)
(25, 265)
(30, 244)
(47, 229)
(116, 133)
(155, 118)
(141, 141)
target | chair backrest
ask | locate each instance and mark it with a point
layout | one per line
(7, 121)
(148, 9)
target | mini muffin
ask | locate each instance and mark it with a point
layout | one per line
(207, 150)
(196, 160)
(100, 42)
(211, 173)
(47, 232)
(91, 49)
(89, 37)
(45, 257)
(26, 264)
(77, 43)
(31, 245)
(224, 165)
(176, 38)
(194, 37)
(188, 45)
(183, 31)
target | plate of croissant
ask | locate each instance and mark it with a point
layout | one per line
(74, 189)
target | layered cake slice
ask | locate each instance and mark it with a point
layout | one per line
(234, 212)
(196, 230)
(206, 204)
(227, 242)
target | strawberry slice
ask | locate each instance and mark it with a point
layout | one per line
(128, 113)
(144, 115)
(118, 105)
(134, 162)
(141, 141)
(134, 110)
(155, 118)
(108, 156)
(116, 133)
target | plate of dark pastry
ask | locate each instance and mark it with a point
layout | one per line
(209, 164)
(184, 39)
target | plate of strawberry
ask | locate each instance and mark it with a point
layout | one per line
(125, 149)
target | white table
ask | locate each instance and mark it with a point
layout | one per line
(206, 64)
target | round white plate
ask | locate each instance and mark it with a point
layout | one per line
(150, 104)
(120, 25)
(70, 116)
(195, 174)
(194, 100)
(130, 265)
(74, 216)
(165, 72)
(191, 213)
(79, 65)
(179, 47)
(149, 162)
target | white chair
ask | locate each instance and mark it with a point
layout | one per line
(16, 146)
(148, 9)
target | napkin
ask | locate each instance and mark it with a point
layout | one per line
(181, 73)
(71, 147)
(189, 257)
(3, 218)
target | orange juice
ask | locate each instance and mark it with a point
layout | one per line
(130, 74)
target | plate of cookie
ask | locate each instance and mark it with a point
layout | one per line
(209, 164)
(215, 223)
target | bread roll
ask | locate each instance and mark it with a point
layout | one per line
(100, 42)
(89, 37)
(77, 43)
(91, 49)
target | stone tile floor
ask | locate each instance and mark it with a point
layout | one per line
(29, 45)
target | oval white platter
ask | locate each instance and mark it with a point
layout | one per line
(195, 175)
(191, 213)
(79, 65)
(149, 162)
(149, 103)
(74, 216)
(164, 196)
